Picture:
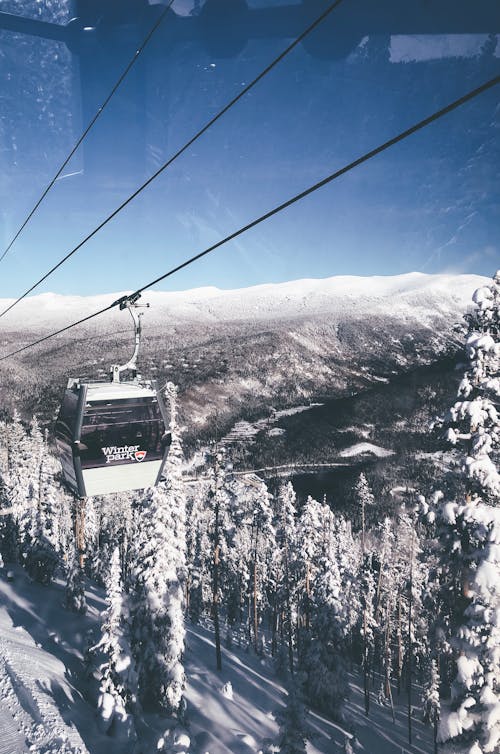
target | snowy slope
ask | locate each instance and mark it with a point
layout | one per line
(246, 723)
(41, 674)
(47, 701)
(403, 296)
(29, 715)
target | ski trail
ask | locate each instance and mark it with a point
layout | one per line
(29, 718)
(14, 721)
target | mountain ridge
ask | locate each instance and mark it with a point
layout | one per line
(310, 296)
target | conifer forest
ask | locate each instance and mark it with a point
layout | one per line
(398, 611)
(249, 377)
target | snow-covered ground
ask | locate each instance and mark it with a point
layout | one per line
(47, 697)
(361, 448)
(244, 430)
(41, 673)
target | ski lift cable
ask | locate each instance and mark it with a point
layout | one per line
(92, 122)
(177, 154)
(328, 179)
(333, 176)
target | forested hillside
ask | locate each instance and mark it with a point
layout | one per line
(408, 602)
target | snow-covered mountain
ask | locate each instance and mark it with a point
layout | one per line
(413, 296)
(237, 353)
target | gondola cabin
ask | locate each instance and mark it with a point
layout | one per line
(111, 437)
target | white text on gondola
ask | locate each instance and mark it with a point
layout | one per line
(123, 453)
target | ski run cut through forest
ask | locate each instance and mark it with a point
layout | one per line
(222, 613)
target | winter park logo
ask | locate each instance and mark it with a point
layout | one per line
(124, 453)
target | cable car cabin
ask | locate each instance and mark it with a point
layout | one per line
(111, 437)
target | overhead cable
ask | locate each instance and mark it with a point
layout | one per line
(99, 112)
(367, 156)
(288, 203)
(172, 159)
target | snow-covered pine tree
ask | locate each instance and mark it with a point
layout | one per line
(262, 539)
(368, 627)
(332, 616)
(19, 483)
(430, 699)
(323, 660)
(91, 527)
(285, 563)
(241, 556)
(42, 557)
(311, 538)
(197, 552)
(157, 578)
(470, 533)
(108, 523)
(385, 601)
(364, 498)
(475, 419)
(344, 549)
(118, 679)
(9, 531)
(75, 589)
(292, 719)
(156, 604)
(216, 499)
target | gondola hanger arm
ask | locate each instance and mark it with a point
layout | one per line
(130, 303)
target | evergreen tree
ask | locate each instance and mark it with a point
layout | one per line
(157, 580)
(75, 589)
(368, 628)
(323, 661)
(293, 727)
(157, 598)
(430, 699)
(470, 535)
(217, 500)
(197, 552)
(42, 557)
(311, 538)
(118, 680)
(286, 565)
(17, 490)
(364, 498)
(262, 539)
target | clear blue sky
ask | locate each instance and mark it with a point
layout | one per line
(429, 204)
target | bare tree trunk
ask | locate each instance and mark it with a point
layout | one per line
(215, 571)
(255, 591)
(410, 642)
(274, 627)
(379, 582)
(215, 607)
(308, 596)
(400, 647)
(255, 612)
(387, 660)
(188, 594)
(363, 527)
(388, 688)
(366, 669)
(288, 612)
(80, 529)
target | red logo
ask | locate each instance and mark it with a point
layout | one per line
(140, 455)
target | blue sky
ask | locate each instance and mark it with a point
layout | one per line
(429, 204)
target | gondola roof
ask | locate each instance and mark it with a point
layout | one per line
(110, 391)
